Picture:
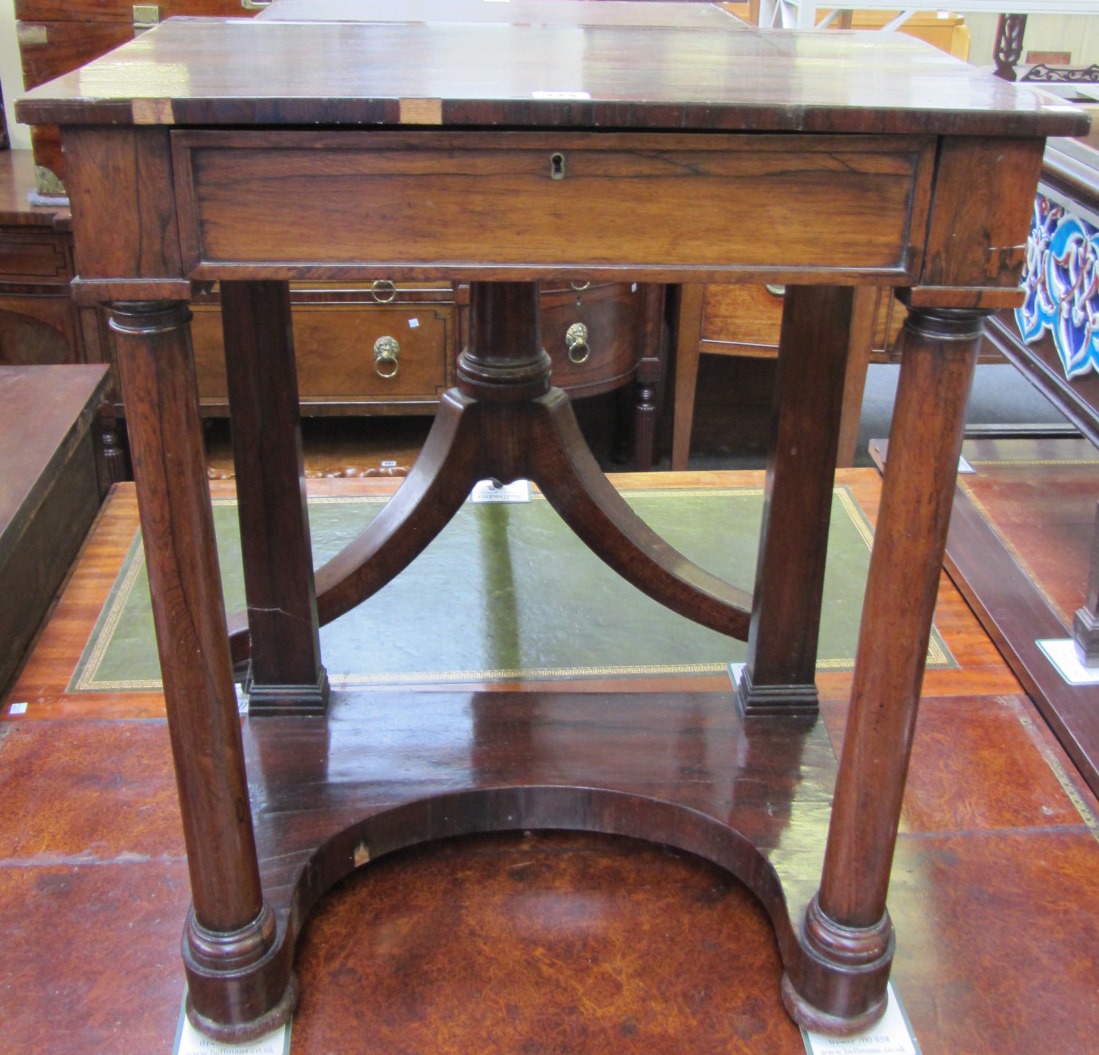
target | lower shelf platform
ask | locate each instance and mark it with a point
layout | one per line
(389, 770)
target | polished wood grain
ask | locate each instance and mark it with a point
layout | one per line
(539, 920)
(612, 192)
(890, 84)
(270, 472)
(782, 648)
(599, 183)
(229, 925)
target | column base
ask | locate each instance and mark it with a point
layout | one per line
(288, 700)
(241, 1033)
(240, 984)
(1085, 633)
(796, 701)
(840, 986)
(808, 1016)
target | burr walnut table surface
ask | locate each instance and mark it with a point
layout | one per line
(225, 150)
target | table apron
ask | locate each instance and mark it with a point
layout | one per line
(474, 205)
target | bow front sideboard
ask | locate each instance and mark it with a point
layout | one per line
(252, 153)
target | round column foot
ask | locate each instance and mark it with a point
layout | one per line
(808, 1016)
(253, 1029)
(240, 984)
(839, 983)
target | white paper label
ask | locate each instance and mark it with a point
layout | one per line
(493, 491)
(890, 1036)
(190, 1042)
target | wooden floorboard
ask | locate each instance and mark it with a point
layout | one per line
(543, 943)
(1019, 551)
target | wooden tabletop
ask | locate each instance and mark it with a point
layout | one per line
(245, 72)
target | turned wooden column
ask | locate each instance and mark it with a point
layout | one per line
(846, 925)
(504, 360)
(285, 675)
(779, 676)
(229, 927)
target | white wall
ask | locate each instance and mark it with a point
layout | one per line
(11, 75)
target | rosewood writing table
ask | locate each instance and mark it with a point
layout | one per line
(504, 154)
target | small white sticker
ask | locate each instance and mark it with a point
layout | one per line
(190, 1042)
(560, 95)
(890, 1036)
(494, 491)
(1061, 652)
(413, 324)
(633, 288)
(17, 708)
(389, 464)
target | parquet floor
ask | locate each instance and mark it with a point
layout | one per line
(543, 942)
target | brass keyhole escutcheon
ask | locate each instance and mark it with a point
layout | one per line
(557, 165)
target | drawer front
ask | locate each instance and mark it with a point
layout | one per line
(476, 205)
(33, 257)
(743, 314)
(749, 317)
(593, 336)
(344, 354)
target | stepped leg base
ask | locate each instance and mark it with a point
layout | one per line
(253, 1029)
(813, 1018)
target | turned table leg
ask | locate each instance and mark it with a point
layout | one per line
(285, 674)
(847, 932)
(229, 928)
(779, 676)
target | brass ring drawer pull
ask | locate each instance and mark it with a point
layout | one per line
(387, 353)
(576, 341)
(383, 291)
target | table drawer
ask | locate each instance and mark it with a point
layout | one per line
(348, 355)
(419, 204)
